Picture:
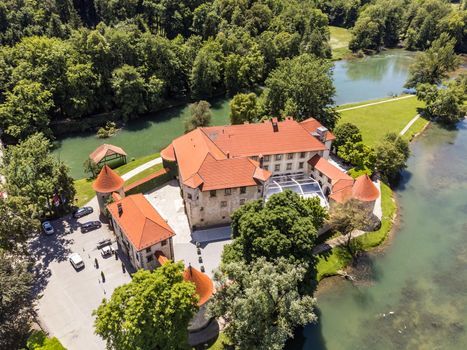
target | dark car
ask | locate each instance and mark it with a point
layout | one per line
(82, 212)
(91, 225)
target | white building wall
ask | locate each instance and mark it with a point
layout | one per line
(322, 179)
(288, 162)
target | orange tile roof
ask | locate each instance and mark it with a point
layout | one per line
(191, 150)
(255, 139)
(116, 196)
(228, 173)
(343, 195)
(107, 181)
(105, 150)
(341, 184)
(312, 125)
(328, 169)
(364, 189)
(204, 285)
(140, 222)
(161, 258)
(168, 153)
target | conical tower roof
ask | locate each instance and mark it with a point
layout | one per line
(204, 286)
(364, 189)
(107, 181)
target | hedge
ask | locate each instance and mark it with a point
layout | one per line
(150, 182)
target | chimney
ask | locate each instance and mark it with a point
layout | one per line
(228, 155)
(261, 161)
(322, 132)
(189, 267)
(120, 209)
(275, 125)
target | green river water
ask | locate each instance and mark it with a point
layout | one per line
(413, 295)
(356, 80)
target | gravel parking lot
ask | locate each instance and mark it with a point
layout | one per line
(68, 297)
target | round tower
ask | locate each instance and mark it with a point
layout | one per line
(107, 182)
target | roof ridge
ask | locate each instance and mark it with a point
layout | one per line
(211, 141)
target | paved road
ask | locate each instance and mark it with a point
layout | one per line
(376, 103)
(141, 168)
(68, 297)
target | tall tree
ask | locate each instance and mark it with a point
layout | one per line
(433, 65)
(391, 155)
(206, 71)
(200, 115)
(302, 87)
(261, 302)
(26, 110)
(129, 90)
(37, 176)
(346, 132)
(243, 108)
(16, 301)
(150, 312)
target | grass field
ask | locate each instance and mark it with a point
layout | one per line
(377, 120)
(85, 192)
(339, 42)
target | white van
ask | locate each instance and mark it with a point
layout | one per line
(76, 261)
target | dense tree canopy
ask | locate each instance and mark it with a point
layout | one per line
(346, 132)
(301, 87)
(285, 226)
(35, 175)
(150, 312)
(200, 115)
(391, 155)
(244, 108)
(261, 302)
(16, 301)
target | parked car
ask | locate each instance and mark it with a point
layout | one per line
(76, 261)
(103, 243)
(47, 228)
(82, 212)
(89, 226)
(106, 251)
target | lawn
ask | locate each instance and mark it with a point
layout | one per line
(377, 120)
(339, 42)
(220, 342)
(85, 192)
(338, 258)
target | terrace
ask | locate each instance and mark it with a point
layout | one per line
(301, 183)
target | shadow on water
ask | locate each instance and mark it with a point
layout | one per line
(314, 339)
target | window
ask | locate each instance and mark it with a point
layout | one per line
(277, 167)
(228, 191)
(289, 155)
(265, 167)
(289, 166)
(149, 258)
(302, 154)
(212, 193)
(278, 156)
(242, 201)
(201, 209)
(148, 250)
(266, 158)
(189, 195)
(223, 204)
(300, 165)
(164, 242)
(242, 190)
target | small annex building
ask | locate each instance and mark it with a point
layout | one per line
(141, 231)
(106, 183)
(105, 153)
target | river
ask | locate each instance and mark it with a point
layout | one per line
(416, 294)
(355, 80)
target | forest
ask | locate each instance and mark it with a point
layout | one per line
(73, 59)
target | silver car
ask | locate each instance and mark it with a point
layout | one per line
(47, 228)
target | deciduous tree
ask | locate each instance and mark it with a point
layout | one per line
(261, 302)
(346, 132)
(200, 115)
(150, 312)
(391, 155)
(129, 90)
(243, 108)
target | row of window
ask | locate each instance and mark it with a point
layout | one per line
(323, 176)
(279, 156)
(163, 243)
(227, 192)
(277, 167)
(224, 203)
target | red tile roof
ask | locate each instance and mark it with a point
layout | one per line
(334, 173)
(255, 139)
(140, 222)
(204, 285)
(364, 189)
(343, 195)
(161, 258)
(228, 173)
(105, 150)
(168, 153)
(312, 125)
(107, 181)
